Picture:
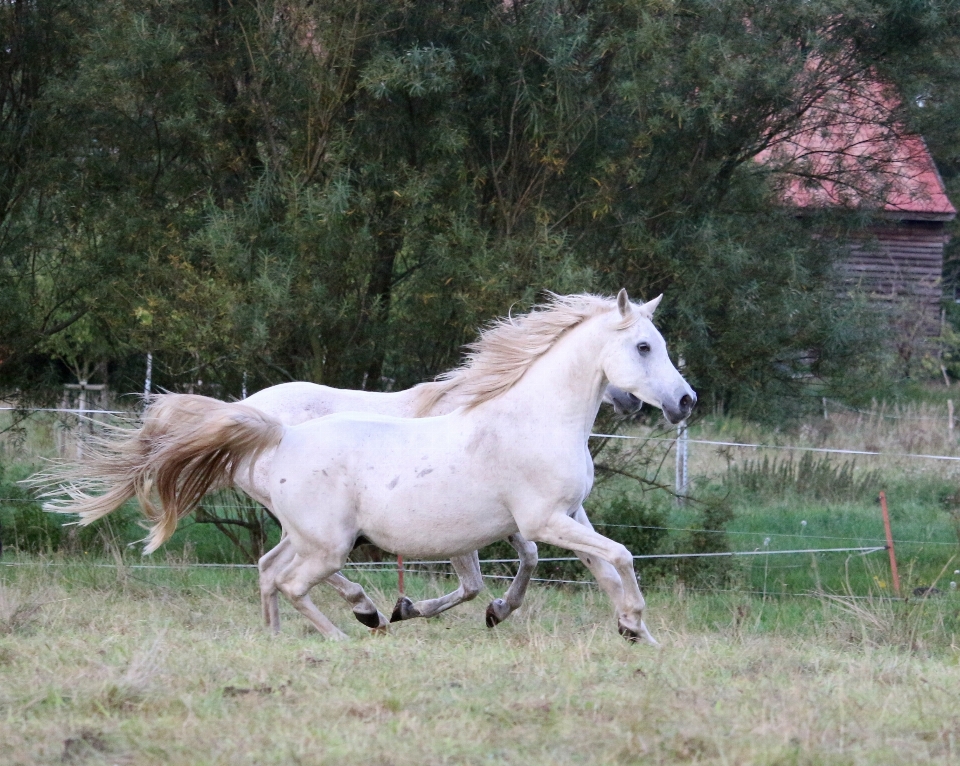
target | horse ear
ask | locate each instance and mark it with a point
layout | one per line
(650, 306)
(623, 302)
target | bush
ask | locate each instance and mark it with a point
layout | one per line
(813, 477)
(708, 535)
(23, 523)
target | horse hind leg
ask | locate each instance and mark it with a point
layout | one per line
(282, 554)
(295, 582)
(272, 562)
(500, 608)
(471, 583)
(364, 609)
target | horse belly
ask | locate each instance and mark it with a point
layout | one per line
(419, 515)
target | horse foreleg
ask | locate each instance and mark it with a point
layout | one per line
(606, 576)
(560, 529)
(471, 582)
(501, 608)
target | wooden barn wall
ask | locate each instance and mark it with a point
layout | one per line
(901, 266)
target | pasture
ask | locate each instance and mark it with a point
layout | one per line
(795, 659)
(170, 666)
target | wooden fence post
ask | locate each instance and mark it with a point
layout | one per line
(893, 556)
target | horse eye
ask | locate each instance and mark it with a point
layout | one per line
(643, 348)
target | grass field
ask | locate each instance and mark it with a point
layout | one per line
(778, 659)
(102, 665)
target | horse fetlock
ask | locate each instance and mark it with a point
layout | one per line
(497, 611)
(404, 610)
(635, 631)
(632, 635)
(630, 625)
(645, 634)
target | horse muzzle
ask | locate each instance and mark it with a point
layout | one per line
(680, 411)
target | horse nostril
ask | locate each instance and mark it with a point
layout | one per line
(686, 402)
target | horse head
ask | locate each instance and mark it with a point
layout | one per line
(635, 360)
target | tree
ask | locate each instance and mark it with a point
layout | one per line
(343, 192)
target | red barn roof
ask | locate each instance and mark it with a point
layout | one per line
(848, 151)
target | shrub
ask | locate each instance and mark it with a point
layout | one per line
(815, 477)
(23, 523)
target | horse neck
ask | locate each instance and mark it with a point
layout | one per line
(563, 388)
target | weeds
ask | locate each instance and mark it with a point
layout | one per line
(16, 613)
(128, 688)
(910, 623)
(812, 477)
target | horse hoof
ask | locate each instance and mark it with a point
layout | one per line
(631, 635)
(497, 612)
(404, 610)
(370, 619)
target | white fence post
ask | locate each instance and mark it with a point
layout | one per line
(148, 383)
(681, 472)
(84, 424)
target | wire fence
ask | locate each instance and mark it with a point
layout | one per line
(419, 568)
(372, 565)
(787, 447)
(608, 525)
(864, 548)
(429, 567)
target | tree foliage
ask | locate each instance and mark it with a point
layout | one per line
(343, 191)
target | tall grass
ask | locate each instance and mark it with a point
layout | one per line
(813, 476)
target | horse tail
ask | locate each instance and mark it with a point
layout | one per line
(186, 446)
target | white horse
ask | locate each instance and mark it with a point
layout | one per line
(295, 403)
(513, 459)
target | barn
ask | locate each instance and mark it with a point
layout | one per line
(850, 152)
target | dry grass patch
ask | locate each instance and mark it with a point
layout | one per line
(190, 677)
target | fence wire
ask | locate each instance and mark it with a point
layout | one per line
(368, 566)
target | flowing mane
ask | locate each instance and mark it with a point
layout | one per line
(507, 347)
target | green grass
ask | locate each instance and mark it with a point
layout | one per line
(924, 534)
(171, 666)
